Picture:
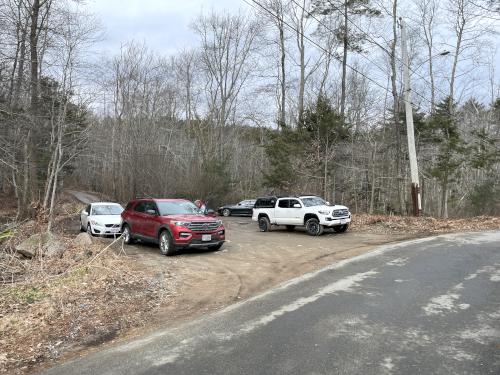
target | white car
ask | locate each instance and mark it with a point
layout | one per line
(310, 211)
(102, 218)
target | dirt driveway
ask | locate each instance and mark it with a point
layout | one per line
(248, 263)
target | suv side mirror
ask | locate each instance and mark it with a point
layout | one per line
(151, 212)
(296, 205)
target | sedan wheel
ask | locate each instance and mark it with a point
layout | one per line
(89, 230)
(226, 212)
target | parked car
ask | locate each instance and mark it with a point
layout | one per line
(103, 218)
(244, 208)
(171, 223)
(311, 211)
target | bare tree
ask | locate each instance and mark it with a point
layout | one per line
(227, 42)
(427, 13)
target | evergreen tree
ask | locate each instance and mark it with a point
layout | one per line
(444, 132)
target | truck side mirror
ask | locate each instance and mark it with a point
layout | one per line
(296, 205)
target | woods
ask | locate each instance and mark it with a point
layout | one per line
(285, 96)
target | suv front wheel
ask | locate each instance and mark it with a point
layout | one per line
(126, 234)
(313, 227)
(167, 246)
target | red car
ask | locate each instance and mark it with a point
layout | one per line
(172, 223)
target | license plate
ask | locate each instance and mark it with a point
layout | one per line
(115, 230)
(206, 237)
(342, 221)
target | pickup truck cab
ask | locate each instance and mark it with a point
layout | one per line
(310, 211)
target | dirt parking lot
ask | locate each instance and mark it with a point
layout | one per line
(248, 263)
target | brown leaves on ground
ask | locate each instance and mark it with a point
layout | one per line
(81, 299)
(421, 225)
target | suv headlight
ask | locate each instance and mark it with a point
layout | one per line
(219, 222)
(181, 223)
(323, 212)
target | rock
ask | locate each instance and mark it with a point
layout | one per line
(46, 242)
(82, 256)
(25, 253)
(82, 240)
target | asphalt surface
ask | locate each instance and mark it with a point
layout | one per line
(428, 306)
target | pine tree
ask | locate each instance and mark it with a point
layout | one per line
(444, 132)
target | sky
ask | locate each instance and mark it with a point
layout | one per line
(162, 24)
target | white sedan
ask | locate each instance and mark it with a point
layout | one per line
(101, 218)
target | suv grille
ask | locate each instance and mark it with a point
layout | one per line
(340, 213)
(203, 226)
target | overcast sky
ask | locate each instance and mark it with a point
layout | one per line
(163, 24)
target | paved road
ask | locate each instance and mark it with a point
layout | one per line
(429, 306)
(85, 198)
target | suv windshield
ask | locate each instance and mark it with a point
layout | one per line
(111, 209)
(314, 201)
(177, 208)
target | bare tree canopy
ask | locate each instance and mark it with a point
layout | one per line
(287, 95)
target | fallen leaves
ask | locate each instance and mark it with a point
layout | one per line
(421, 225)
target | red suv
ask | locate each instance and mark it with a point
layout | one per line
(172, 223)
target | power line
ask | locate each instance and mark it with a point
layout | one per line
(322, 48)
(329, 29)
(312, 41)
(326, 51)
(370, 39)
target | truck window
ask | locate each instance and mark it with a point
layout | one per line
(284, 203)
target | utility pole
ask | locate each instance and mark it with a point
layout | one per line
(415, 188)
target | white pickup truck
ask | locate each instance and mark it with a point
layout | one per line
(311, 211)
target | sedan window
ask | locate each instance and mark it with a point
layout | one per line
(109, 209)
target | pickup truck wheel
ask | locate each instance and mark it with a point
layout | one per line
(290, 228)
(166, 243)
(313, 227)
(226, 212)
(127, 235)
(341, 228)
(264, 224)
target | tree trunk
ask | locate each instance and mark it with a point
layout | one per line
(459, 29)
(344, 62)
(282, 120)
(395, 107)
(35, 11)
(302, 79)
(444, 198)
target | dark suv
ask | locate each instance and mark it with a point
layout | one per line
(172, 223)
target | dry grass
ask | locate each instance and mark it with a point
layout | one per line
(83, 298)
